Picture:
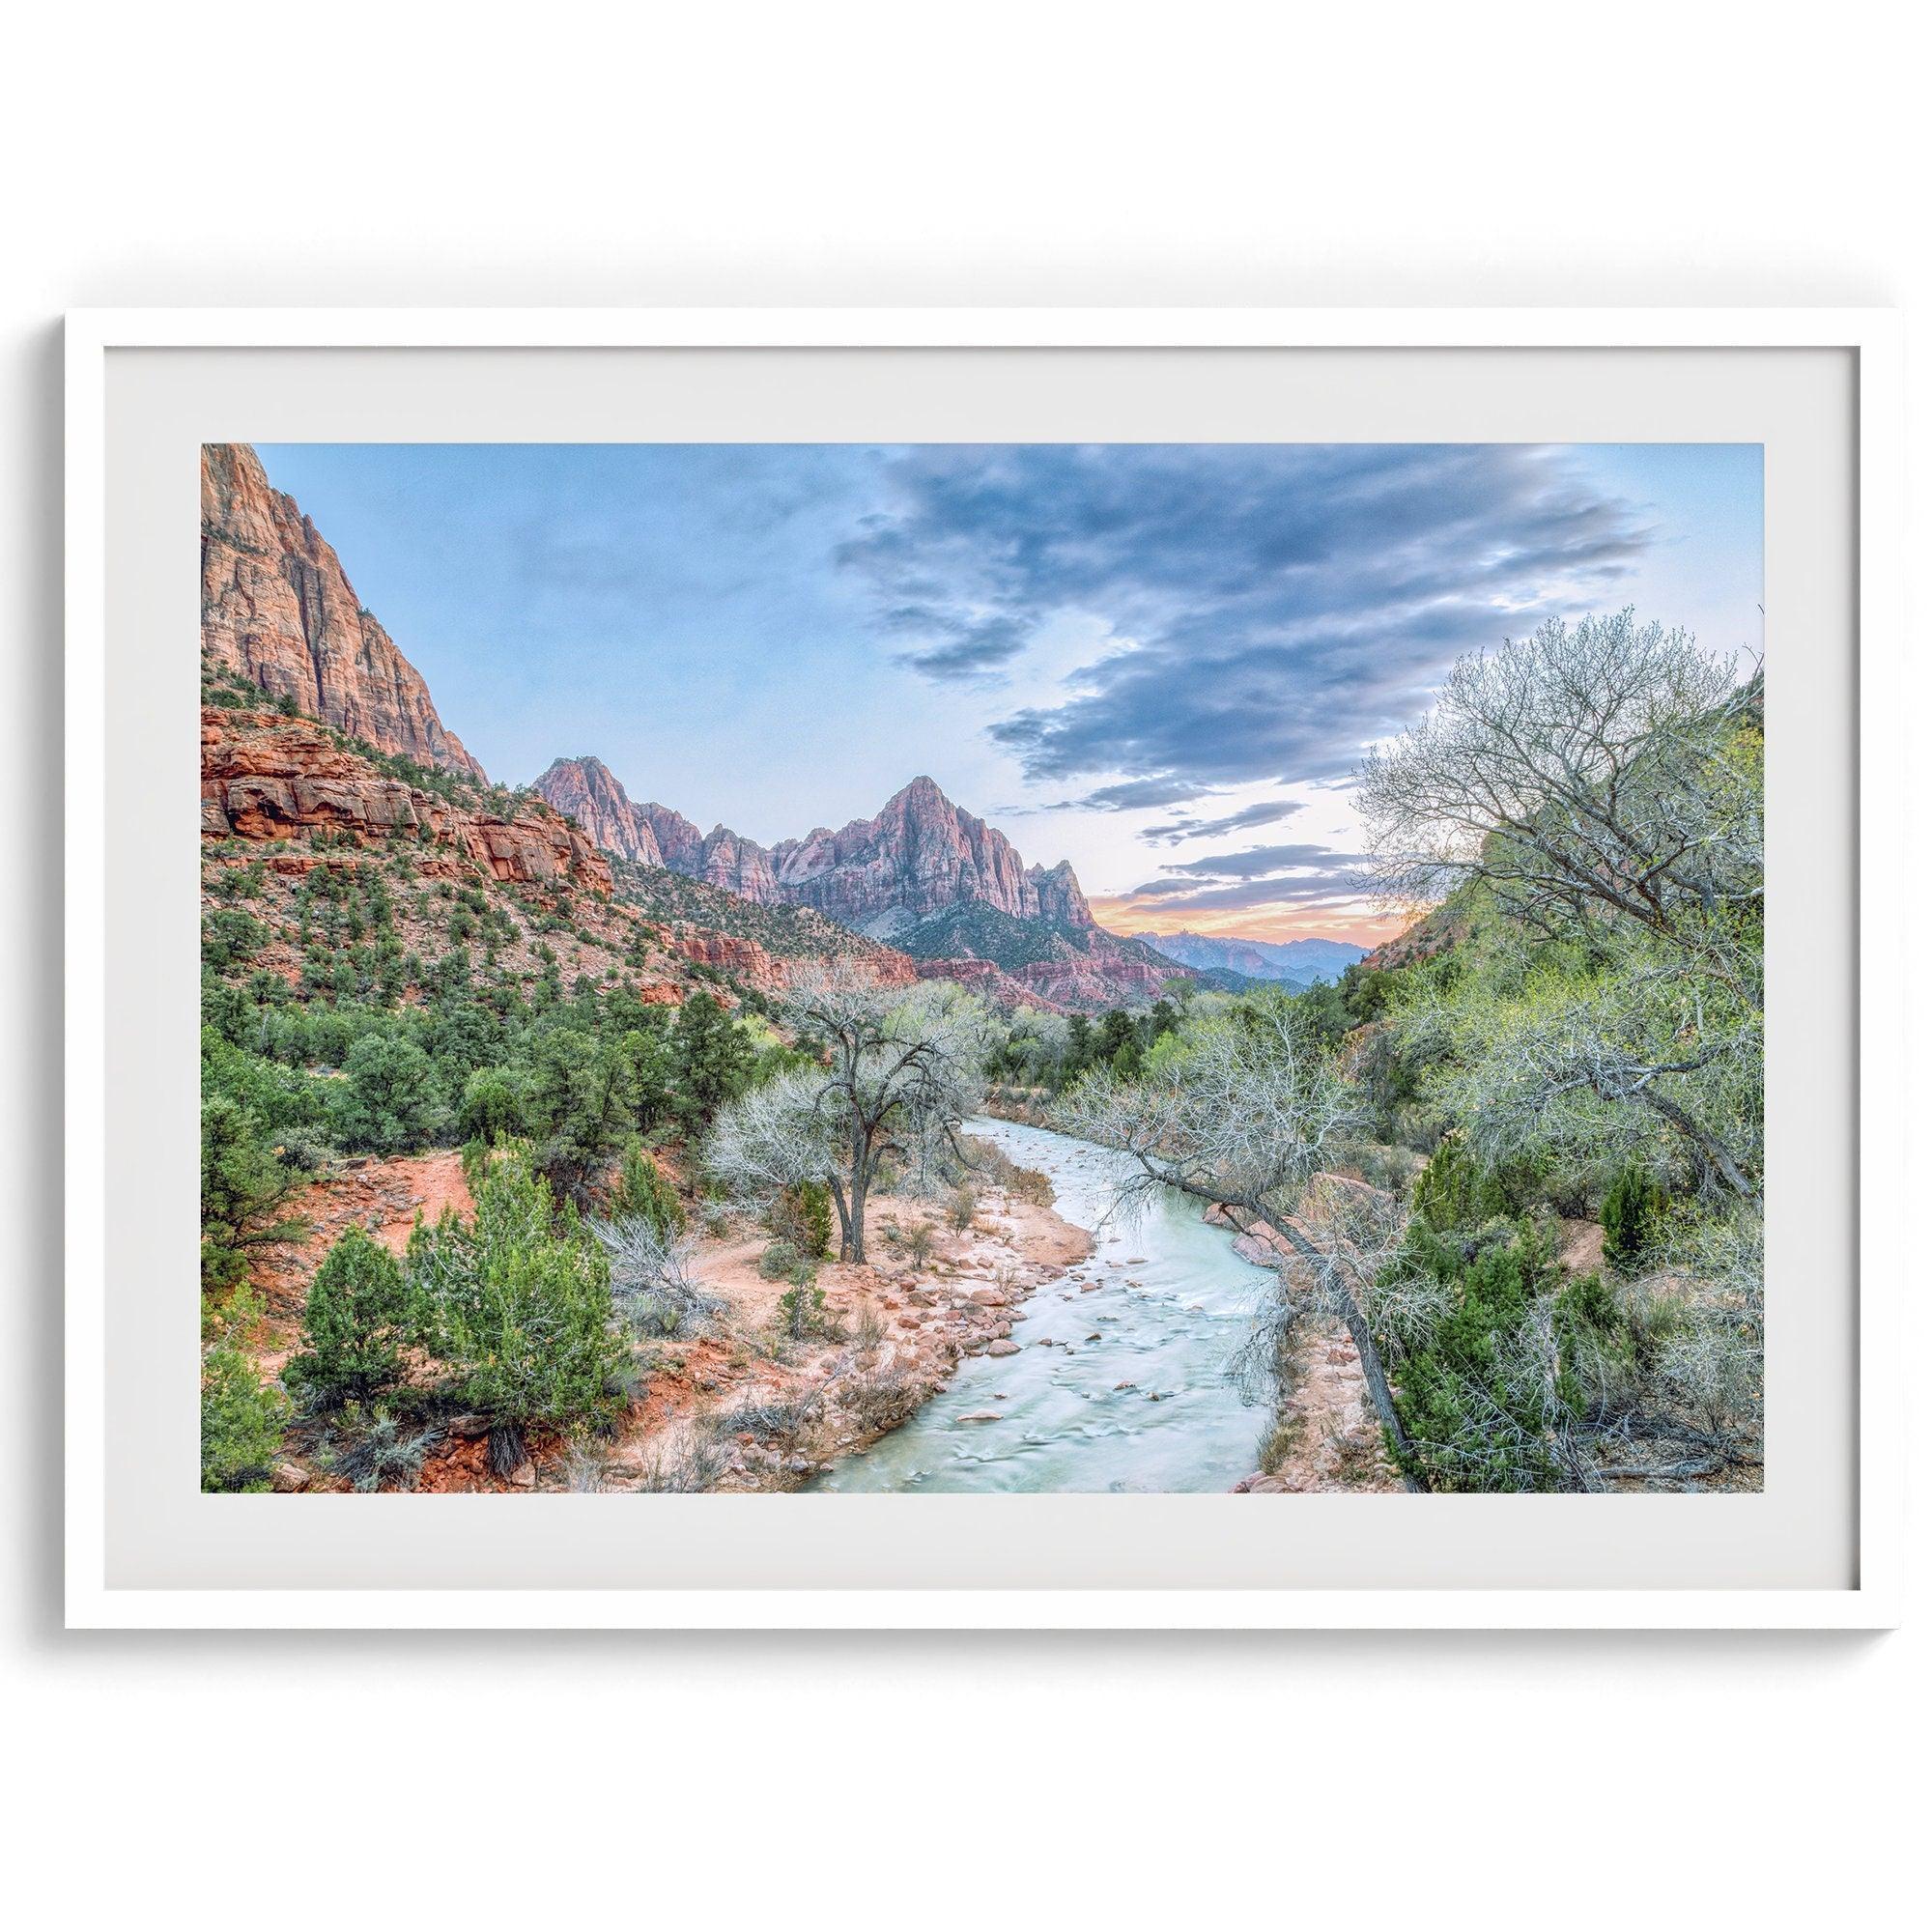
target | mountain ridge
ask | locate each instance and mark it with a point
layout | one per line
(921, 875)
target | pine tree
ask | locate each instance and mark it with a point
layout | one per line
(1633, 1218)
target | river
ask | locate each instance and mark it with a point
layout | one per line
(1132, 1391)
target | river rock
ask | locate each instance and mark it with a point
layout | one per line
(1003, 1347)
(983, 1415)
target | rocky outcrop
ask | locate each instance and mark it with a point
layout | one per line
(1062, 903)
(278, 608)
(745, 958)
(1107, 977)
(585, 790)
(265, 776)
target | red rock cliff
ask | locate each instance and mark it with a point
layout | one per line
(265, 776)
(278, 608)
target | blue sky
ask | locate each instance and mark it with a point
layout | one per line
(1158, 661)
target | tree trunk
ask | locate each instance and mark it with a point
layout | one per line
(1357, 1324)
(844, 1218)
(861, 1185)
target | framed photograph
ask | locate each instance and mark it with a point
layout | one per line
(983, 968)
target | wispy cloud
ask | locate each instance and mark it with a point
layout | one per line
(1175, 830)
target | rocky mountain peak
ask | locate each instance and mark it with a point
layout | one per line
(278, 610)
(588, 791)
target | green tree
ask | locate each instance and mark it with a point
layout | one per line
(644, 1193)
(582, 1106)
(495, 1105)
(389, 1101)
(242, 1415)
(802, 1215)
(352, 1324)
(517, 1304)
(713, 1061)
(245, 1186)
(1632, 1217)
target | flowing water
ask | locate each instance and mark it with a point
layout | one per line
(1168, 1303)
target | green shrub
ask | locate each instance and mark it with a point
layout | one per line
(802, 1214)
(1473, 1397)
(242, 1415)
(243, 1188)
(778, 1261)
(1633, 1218)
(352, 1324)
(231, 937)
(1451, 1193)
(643, 1193)
(494, 1105)
(388, 1101)
(517, 1306)
(802, 1311)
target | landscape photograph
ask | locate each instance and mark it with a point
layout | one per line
(934, 968)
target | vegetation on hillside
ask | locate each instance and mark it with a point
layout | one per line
(1422, 1141)
(786, 932)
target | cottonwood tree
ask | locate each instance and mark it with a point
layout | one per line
(1249, 1115)
(1601, 772)
(1605, 783)
(896, 1071)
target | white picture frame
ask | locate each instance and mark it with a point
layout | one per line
(1872, 1599)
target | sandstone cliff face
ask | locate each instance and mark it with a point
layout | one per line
(585, 789)
(278, 608)
(265, 776)
(1062, 902)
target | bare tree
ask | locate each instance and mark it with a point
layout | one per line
(1587, 773)
(1606, 782)
(1249, 1115)
(898, 1069)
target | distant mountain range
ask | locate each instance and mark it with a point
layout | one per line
(922, 876)
(1295, 962)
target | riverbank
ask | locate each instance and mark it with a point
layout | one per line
(747, 1407)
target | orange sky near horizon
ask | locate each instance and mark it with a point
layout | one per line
(1359, 926)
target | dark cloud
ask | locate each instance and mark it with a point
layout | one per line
(952, 647)
(1188, 895)
(1261, 858)
(1177, 829)
(1296, 874)
(1285, 604)
(1139, 793)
